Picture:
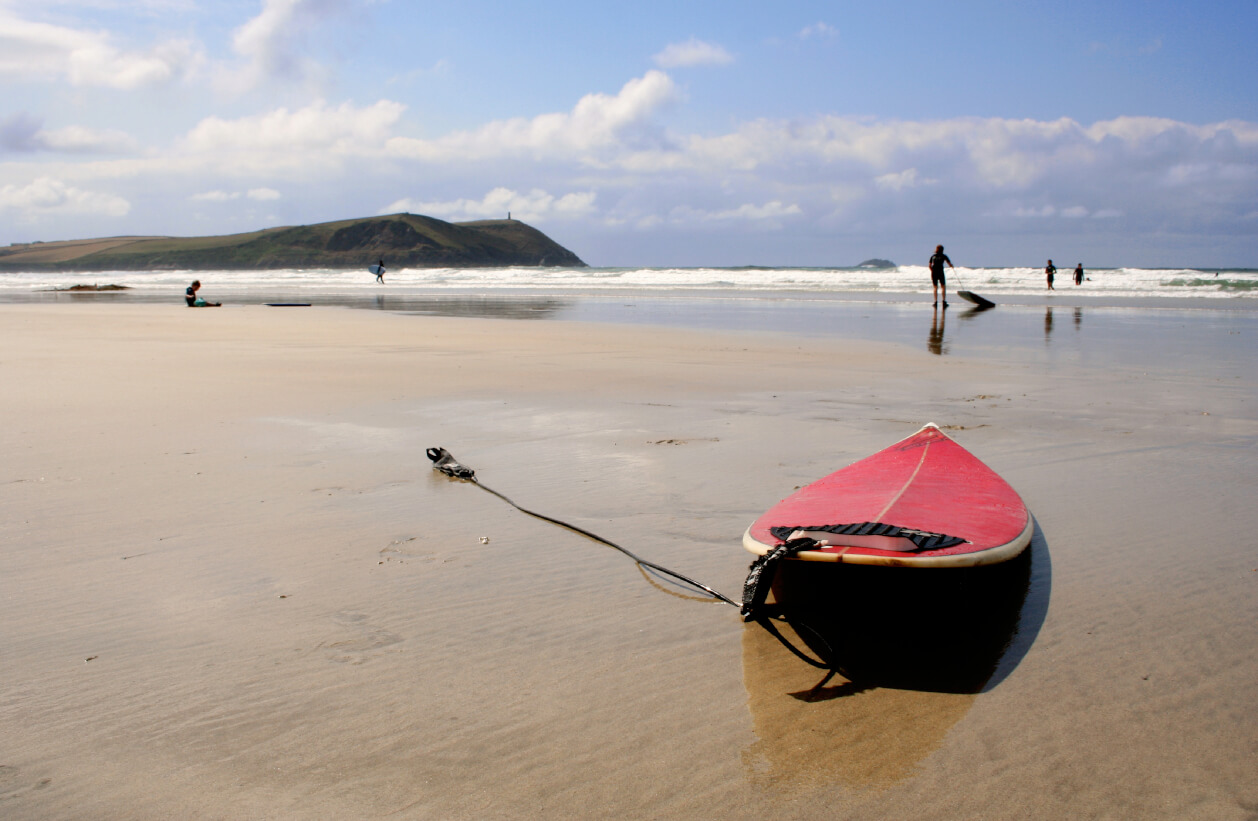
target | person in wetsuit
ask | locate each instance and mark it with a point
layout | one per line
(1079, 274)
(1049, 271)
(194, 301)
(937, 280)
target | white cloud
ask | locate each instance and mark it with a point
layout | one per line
(271, 42)
(534, 206)
(215, 196)
(288, 137)
(51, 195)
(42, 51)
(257, 194)
(900, 180)
(598, 122)
(769, 211)
(693, 52)
(819, 29)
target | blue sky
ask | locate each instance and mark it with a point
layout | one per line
(652, 133)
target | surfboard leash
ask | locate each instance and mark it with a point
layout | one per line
(447, 464)
(755, 588)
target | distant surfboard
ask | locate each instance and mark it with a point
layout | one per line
(376, 269)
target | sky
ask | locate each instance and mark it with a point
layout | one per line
(1108, 132)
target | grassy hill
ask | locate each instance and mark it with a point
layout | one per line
(401, 240)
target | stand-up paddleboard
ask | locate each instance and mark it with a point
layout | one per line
(923, 502)
(976, 299)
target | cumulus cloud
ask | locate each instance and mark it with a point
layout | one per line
(598, 122)
(21, 133)
(533, 206)
(46, 195)
(693, 52)
(271, 42)
(42, 51)
(317, 127)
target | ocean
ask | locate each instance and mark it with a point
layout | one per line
(891, 284)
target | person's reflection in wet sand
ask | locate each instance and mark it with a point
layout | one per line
(934, 343)
(1078, 318)
(1048, 323)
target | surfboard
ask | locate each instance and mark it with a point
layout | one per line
(923, 502)
(375, 269)
(976, 299)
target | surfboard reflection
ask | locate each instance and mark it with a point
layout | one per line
(910, 650)
(938, 630)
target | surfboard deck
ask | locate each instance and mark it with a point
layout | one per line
(923, 502)
(375, 269)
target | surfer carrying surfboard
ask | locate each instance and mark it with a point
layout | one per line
(380, 271)
(937, 280)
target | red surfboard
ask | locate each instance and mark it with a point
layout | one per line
(923, 502)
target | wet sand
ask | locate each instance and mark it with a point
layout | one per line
(232, 587)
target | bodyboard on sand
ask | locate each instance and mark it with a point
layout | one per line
(976, 299)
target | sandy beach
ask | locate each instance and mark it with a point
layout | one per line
(231, 585)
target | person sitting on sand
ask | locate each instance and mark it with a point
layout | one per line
(1049, 271)
(937, 280)
(194, 301)
(1079, 274)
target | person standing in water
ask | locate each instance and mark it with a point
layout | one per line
(937, 280)
(1079, 274)
(380, 272)
(1049, 272)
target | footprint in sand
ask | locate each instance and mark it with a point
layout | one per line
(364, 642)
(12, 785)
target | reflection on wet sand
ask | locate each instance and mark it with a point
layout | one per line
(838, 732)
(471, 306)
(934, 343)
(909, 650)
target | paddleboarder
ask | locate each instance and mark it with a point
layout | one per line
(1049, 272)
(937, 280)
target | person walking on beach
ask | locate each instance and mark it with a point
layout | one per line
(1079, 274)
(1049, 271)
(380, 272)
(194, 301)
(937, 280)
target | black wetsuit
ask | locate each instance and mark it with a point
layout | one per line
(936, 268)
